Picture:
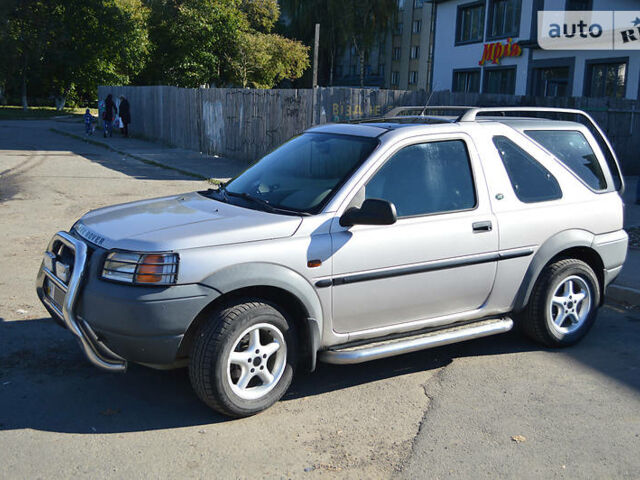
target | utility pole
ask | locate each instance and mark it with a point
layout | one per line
(316, 43)
(314, 81)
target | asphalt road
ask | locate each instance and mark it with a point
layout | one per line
(451, 412)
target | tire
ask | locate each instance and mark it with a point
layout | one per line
(563, 305)
(235, 370)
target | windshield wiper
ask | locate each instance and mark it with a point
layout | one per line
(263, 203)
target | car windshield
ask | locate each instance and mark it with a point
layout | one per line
(302, 174)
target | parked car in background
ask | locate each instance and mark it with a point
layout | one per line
(351, 242)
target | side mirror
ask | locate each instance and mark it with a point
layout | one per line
(372, 212)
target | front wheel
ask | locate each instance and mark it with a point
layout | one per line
(563, 305)
(242, 360)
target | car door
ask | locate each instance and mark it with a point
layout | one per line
(438, 259)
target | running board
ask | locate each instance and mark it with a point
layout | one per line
(397, 346)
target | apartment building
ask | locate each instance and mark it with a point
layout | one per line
(401, 58)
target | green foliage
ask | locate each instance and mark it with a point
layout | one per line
(262, 60)
(261, 14)
(66, 48)
(190, 40)
(343, 24)
(220, 42)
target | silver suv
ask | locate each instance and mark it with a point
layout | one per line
(348, 243)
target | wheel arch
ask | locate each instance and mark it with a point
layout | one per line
(567, 244)
(273, 283)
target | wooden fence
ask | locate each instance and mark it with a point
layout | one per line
(245, 123)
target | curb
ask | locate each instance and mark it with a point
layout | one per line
(98, 143)
(624, 295)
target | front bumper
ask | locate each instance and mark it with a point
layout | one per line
(117, 323)
(96, 351)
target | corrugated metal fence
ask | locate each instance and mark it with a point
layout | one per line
(246, 123)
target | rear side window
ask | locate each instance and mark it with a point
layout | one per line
(530, 180)
(572, 149)
(427, 178)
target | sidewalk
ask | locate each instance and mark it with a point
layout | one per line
(188, 162)
(626, 288)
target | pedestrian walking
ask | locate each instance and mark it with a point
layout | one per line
(125, 115)
(110, 110)
(88, 122)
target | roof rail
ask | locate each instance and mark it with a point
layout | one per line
(395, 112)
(471, 114)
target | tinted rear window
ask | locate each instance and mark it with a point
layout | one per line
(530, 180)
(572, 149)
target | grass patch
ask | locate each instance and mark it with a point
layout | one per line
(11, 112)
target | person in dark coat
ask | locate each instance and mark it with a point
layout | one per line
(110, 110)
(125, 115)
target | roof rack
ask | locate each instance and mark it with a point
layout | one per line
(397, 111)
(470, 115)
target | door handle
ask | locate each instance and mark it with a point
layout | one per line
(482, 226)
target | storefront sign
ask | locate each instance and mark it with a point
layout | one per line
(494, 52)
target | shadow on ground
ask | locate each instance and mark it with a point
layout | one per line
(46, 384)
(43, 144)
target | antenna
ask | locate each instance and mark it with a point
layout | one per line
(424, 110)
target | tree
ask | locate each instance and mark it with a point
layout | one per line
(343, 23)
(262, 60)
(98, 41)
(220, 42)
(365, 20)
(68, 47)
(261, 14)
(304, 14)
(24, 38)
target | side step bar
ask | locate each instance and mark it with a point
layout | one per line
(397, 346)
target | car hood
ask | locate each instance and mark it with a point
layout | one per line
(179, 222)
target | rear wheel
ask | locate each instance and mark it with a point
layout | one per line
(563, 305)
(242, 360)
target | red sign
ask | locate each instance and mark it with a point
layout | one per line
(494, 52)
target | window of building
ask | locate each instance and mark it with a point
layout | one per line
(417, 3)
(470, 23)
(415, 51)
(500, 80)
(338, 70)
(394, 78)
(579, 5)
(400, 4)
(413, 77)
(398, 29)
(605, 79)
(531, 182)
(352, 69)
(381, 69)
(504, 18)
(572, 149)
(466, 81)
(417, 26)
(427, 178)
(397, 52)
(551, 82)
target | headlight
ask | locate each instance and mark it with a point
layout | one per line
(141, 268)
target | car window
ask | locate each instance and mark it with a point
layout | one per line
(572, 149)
(302, 174)
(530, 180)
(426, 178)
